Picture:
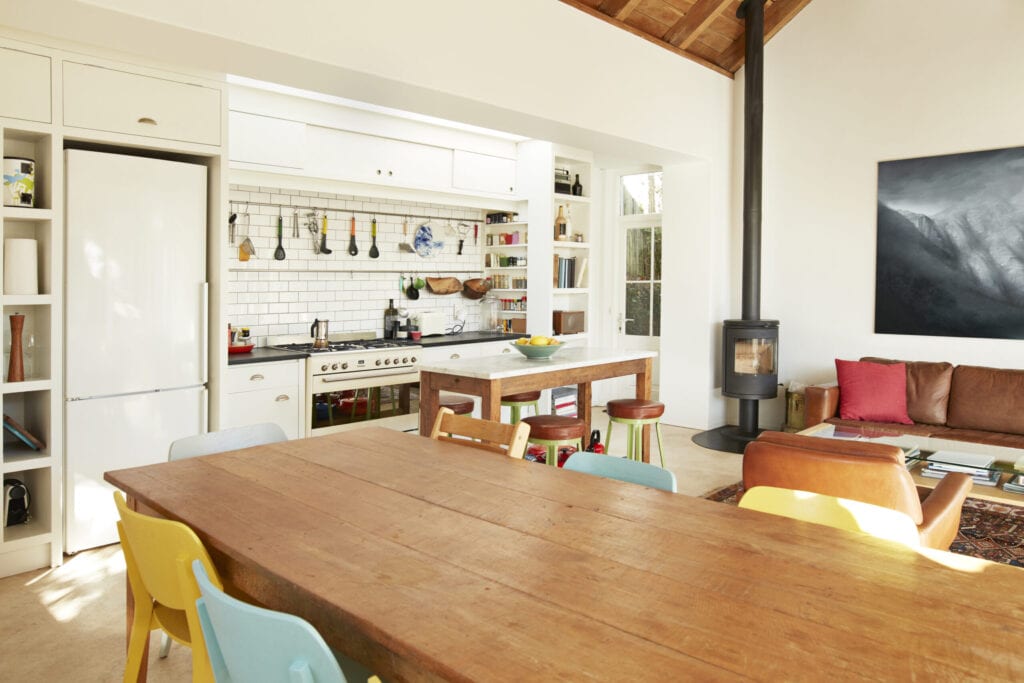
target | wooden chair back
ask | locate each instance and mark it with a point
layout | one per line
(496, 437)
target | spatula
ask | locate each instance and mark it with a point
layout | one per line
(352, 248)
(323, 237)
(374, 252)
(279, 252)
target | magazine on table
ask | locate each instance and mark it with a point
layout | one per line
(984, 478)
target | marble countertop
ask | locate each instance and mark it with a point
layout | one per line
(516, 365)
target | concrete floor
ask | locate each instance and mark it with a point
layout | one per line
(67, 624)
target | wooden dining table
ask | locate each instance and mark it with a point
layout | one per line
(491, 377)
(426, 560)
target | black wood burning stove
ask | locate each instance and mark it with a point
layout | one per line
(750, 346)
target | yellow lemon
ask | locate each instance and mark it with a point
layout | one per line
(539, 341)
(522, 341)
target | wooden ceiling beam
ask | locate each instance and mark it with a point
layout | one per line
(618, 9)
(646, 36)
(777, 14)
(689, 27)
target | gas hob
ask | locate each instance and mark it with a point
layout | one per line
(358, 356)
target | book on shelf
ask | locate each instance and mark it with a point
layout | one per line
(1015, 484)
(27, 437)
(565, 272)
(984, 478)
(582, 271)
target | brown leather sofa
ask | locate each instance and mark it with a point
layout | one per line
(961, 403)
(869, 472)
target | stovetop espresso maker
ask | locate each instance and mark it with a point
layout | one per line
(318, 331)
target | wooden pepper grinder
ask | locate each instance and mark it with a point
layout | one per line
(16, 368)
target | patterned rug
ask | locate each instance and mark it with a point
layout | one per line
(992, 531)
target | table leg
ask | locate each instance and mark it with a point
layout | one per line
(429, 397)
(643, 391)
(583, 401)
(130, 611)
(490, 401)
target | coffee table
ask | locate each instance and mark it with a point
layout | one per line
(1005, 457)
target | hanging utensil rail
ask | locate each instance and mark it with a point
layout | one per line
(353, 211)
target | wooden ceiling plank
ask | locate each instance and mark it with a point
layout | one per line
(776, 15)
(693, 23)
(640, 34)
(611, 7)
(627, 9)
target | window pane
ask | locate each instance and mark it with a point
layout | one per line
(657, 253)
(641, 194)
(638, 254)
(638, 307)
(656, 313)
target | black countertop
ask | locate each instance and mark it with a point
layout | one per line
(268, 355)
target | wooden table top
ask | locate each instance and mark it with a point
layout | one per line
(427, 560)
(507, 365)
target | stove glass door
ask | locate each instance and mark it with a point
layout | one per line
(358, 406)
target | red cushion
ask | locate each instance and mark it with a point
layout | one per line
(873, 391)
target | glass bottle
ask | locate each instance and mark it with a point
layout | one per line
(560, 224)
(390, 315)
(577, 188)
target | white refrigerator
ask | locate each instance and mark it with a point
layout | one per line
(135, 325)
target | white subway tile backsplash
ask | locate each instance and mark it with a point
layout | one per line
(282, 297)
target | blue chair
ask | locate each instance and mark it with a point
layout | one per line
(248, 643)
(633, 471)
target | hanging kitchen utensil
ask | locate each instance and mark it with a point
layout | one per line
(474, 288)
(295, 223)
(411, 291)
(444, 285)
(323, 237)
(476, 230)
(246, 249)
(231, 226)
(279, 252)
(374, 252)
(311, 225)
(352, 248)
(424, 242)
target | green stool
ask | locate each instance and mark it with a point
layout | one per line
(516, 403)
(554, 431)
(635, 413)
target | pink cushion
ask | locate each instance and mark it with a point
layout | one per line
(873, 391)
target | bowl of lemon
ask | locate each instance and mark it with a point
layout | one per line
(537, 347)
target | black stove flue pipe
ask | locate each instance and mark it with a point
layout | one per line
(752, 12)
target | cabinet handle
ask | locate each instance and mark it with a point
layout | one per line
(506, 350)
(390, 173)
(148, 121)
(282, 397)
(456, 356)
(256, 378)
(378, 171)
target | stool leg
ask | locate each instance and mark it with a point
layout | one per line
(608, 437)
(661, 448)
(536, 408)
(516, 415)
(553, 454)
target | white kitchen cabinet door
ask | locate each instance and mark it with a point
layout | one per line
(266, 140)
(266, 392)
(120, 102)
(343, 155)
(26, 85)
(483, 173)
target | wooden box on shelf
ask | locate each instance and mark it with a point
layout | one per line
(567, 322)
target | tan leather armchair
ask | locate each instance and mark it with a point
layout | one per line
(868, 472)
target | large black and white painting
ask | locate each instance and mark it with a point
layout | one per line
(950, 256)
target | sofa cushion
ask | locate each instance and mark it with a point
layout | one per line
(872, 391)
(927, 389)
(871, 429)
(987, 399)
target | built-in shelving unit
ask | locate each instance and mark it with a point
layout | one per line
(571, 261)
(506, 255)
(34, 404)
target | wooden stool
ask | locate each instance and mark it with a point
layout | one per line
(516, 402)
(554, 431)
(457, 403)
(635, 413)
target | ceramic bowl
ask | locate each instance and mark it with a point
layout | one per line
(537, 352)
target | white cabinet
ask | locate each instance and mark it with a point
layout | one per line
(265, 392)
(26, 85)
(342, 155)
(105, 99)
(483, 173)
(265, 140)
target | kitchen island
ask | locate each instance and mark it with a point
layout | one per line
(490, 377)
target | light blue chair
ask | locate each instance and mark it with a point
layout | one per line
(248, 643)
(622, 469)
(231, 439)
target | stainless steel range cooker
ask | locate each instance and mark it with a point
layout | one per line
(351, 383)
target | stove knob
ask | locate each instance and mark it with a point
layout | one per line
(387, 361)
(325, 368)
(344, 366)
(405, 360)
(378, 361)
(413, 359)
(334, 367)
(397, 361)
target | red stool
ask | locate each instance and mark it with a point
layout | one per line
(554, 431)
(635, 413)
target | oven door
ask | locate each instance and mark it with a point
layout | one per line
(344, 401)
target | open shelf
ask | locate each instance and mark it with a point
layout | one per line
(565, 244)
(18, 458)
(37, 146)
(571, 290)
(17, 213)
(35, 340)
(40, 523)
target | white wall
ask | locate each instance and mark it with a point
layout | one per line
(849, 84)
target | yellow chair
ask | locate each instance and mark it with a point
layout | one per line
(483, 434)
(840, 513)
(158, 554)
